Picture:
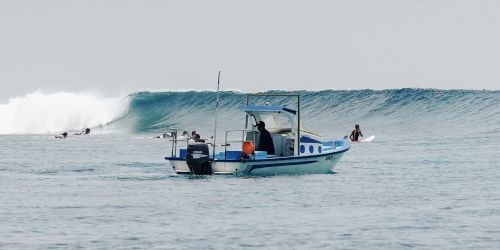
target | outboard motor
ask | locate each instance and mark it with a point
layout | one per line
(197, 159)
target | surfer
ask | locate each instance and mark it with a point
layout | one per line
(84, 132)
(265, 139)
(356, 133)
(62, 136)
(164, 136)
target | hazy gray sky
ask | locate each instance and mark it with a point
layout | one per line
(117, 46)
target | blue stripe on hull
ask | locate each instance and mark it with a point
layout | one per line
(252, 167)
(270, 159)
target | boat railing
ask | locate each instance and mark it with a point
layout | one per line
(243, 132)
(175, 139)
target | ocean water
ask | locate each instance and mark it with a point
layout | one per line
(429, 180)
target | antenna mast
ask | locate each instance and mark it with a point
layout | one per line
(216, 114)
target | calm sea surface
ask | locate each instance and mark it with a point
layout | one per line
(116, 191)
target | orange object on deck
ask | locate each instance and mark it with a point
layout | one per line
(248, 148)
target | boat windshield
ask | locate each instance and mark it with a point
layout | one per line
(276, 121)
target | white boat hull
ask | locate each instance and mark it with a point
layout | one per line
(313, 164)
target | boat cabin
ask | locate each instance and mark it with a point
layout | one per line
(281, 122)
(283, 125)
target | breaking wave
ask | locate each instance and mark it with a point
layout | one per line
(39, 113)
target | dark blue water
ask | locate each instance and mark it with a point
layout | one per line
(430, 179)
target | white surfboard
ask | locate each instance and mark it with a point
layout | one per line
(368, 139)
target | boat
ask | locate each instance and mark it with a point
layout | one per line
(297, 151)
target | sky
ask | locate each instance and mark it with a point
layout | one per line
(117, 46)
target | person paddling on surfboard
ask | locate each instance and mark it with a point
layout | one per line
(356, 133)
(62, 136)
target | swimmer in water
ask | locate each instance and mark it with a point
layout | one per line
(164, 136)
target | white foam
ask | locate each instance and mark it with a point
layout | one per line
(39, 113)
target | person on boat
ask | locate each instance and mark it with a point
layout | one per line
(197, 138)
(87, 131)
(185, 134)
(356, 133)
(265, 139)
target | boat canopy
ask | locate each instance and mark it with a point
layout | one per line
(267, 109)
